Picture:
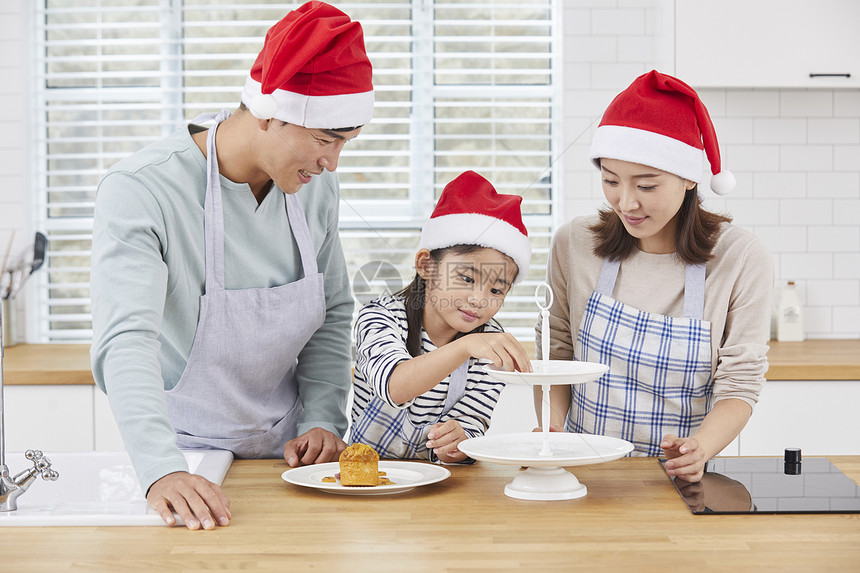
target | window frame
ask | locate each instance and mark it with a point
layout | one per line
(403, 217)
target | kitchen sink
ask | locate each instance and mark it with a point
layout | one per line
(98, 488)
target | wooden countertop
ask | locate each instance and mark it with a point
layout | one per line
(807, 360)
(631, 520)
(48, 364)
(814, 360)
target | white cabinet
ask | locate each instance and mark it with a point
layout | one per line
(49, 418)
(767, 43)
(61, 418)
(819, 417)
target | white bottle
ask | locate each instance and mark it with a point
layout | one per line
(789, 318)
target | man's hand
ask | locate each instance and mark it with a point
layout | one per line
(316, 446)
(197, 500)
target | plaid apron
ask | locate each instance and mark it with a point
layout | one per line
(659, 379)
(392, 434)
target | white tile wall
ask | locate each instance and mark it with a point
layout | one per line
(795, 153)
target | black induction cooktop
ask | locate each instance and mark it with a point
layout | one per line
(770, 485)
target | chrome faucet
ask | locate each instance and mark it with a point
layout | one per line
(11, 488)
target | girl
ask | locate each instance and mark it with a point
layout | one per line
(672, 297)
(420, 386)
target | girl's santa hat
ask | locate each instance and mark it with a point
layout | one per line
(471, 212)
(660, 121)
(313, 71)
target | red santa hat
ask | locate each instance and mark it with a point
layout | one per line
(660, 121)
(471, 212)
(313, 71)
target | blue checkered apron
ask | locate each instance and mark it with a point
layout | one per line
(392, 434)
(659, 379)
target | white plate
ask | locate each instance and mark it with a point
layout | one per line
(523, 449)
(557, 372)
(405, 475)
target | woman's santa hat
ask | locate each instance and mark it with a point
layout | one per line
(660, 121)
(471, 212)
(313, 71)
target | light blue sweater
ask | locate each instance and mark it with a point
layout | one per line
(148, 273)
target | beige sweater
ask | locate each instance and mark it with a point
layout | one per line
(738, 291)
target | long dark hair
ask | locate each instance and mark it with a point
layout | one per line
(695, 238)
(415, 294)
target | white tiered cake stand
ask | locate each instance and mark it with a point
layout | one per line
(547, 453)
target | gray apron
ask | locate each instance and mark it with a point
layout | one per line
(238, 391)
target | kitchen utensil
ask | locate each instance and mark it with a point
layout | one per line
(6, 255)
(551, 372)
(27, 266)
(544, 307)
(546, 478)
(547, 453)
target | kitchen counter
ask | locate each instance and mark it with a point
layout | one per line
(36, 364)
(814, 360)
(632, 519)
(808, 360)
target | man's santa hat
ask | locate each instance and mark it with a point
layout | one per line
(660, 121)
(471, 212)
(313, 71)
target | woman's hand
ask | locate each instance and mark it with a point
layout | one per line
(686, 460)
(501, 348)
(197, 500)
(443, 439)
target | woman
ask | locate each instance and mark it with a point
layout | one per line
(673, 298)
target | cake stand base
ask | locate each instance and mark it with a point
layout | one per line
(545, 484)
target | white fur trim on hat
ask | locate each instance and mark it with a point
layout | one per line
(647, 148)
(723, 182)
(482, 230)
(314, 112)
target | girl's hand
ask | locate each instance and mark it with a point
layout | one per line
(686, 460)
(443, 440)
(501, 348)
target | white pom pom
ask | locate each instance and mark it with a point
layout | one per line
(264, 106)
(723, 182)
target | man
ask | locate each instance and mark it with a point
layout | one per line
(221, 305)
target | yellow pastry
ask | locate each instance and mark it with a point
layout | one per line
(359, 465)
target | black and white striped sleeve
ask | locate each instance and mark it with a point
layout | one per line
(380, 342)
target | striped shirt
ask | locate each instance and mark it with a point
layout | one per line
(380, 339)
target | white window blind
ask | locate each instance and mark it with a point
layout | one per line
(459, 85)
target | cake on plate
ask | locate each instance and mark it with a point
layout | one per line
(359, 465)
